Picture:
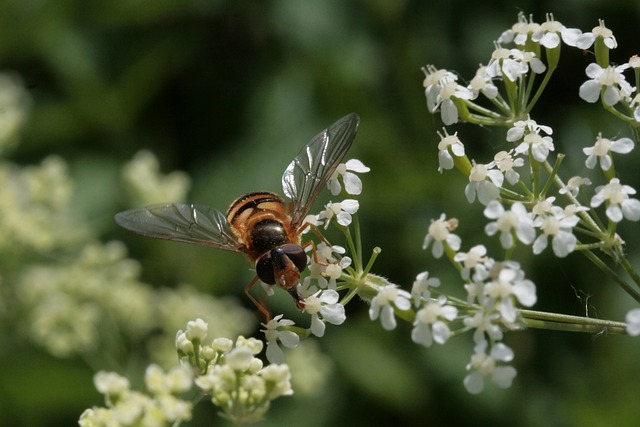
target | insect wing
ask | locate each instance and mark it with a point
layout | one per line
(313, 166)
(189, 223)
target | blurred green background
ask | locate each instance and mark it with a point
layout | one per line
(228, 91)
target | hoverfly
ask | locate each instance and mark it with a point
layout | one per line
(257, 224)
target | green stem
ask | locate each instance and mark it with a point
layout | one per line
(564, 322)
(602, 266)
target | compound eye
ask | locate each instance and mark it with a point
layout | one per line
(264, 269)
(296, 254)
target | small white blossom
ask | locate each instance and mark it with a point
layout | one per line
(430, 324)
(146, 184)
(342, 211)
(440, 232)
(619, 204)
(513, 63)
(506, 164)
(484, 182)
(272, 334)
(111, 384)
(548, 33)
(633, 322)
(474, 259)
(585, 41)
(14, 107)
(382, 305)
(484, 365)
(510, 283)
(485, 324)
(611, 78)
(532, 140)
(352, 183)
(519, 32)
(573, 185)
(440, 90)
(559, 227)
(482, 82)
(448, 144)
(323, 307)
(324, 265)
(603, 147)
(420, 290)
(516, 220)
(196, 330)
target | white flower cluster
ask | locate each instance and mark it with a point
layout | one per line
(493, 292)
(146, 185)
(163, 405)
(37, 213)
(14, 105)
(67, 305)
(236, 380)
(515, 185)
(532, 217)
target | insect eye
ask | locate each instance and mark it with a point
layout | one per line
(296, 254)
(264, 269)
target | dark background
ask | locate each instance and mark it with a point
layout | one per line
(228, 91)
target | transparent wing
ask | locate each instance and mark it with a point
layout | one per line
(198, 224)
(312, 167)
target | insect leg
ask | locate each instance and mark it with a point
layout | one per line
(262, 307)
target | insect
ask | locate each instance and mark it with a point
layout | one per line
(258, 224)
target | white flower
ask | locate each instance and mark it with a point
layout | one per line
(548, 33)
(573, 185)
(619, 204)
(510, 283)
(530, 133)
(341, 211)
(324, 306)
(272, 334)
(482, 82)
(484, 182)
(633, 322)
(516, 220)
(352, 183)
(111, 384)
(177, 380)
(429, 325)
(474, 259)
(518, 33)
(14, 107)
(522, 127)
(325, 265)
(611, 78)
(196, 330)
(440, 232)
(559, 226)
(506, 164)
(586, 40)
(513, 63)
(483, 365)
(388, 297)
(448, 144)
(603, 147)
(440, 90)
(146, 184)
(421, 287)
(485, 324)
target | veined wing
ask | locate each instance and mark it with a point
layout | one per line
(310, 170)
(189, 223)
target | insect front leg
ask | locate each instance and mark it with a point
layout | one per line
(262, 306)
